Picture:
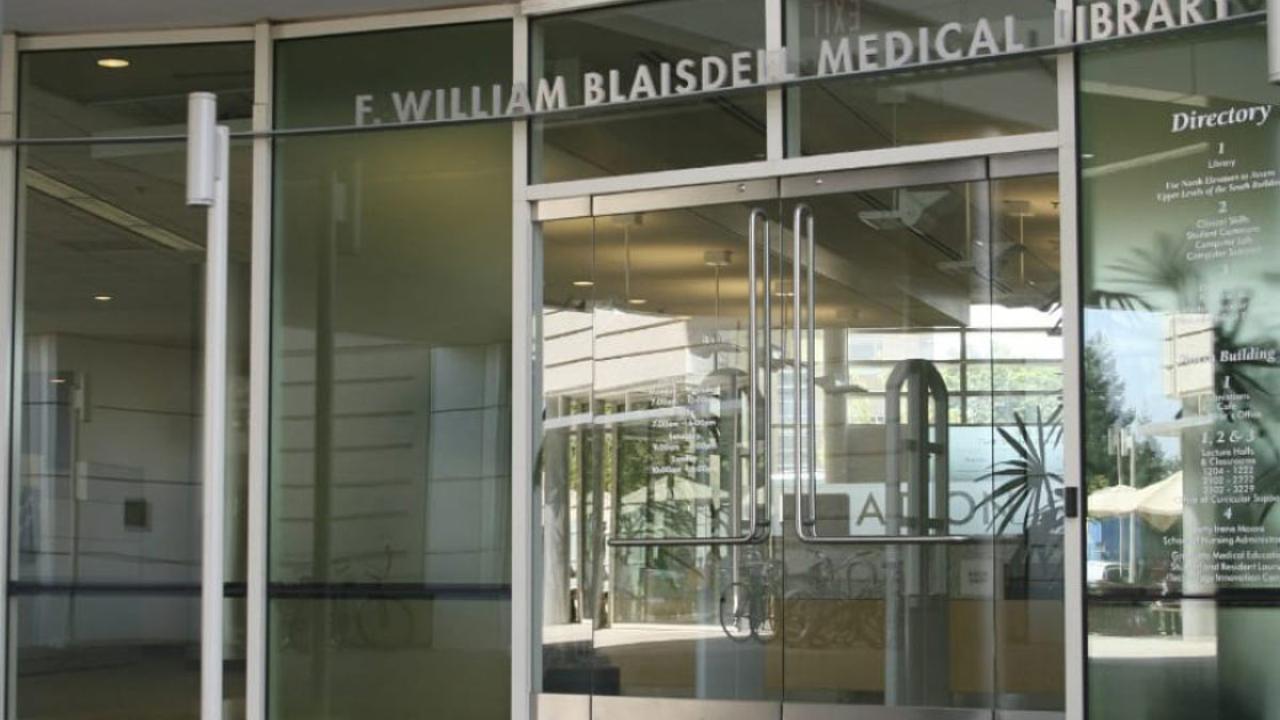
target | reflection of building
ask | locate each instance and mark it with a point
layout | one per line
(1188, 355)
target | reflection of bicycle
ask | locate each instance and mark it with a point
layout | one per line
(838, 604)
(747, 606)
(356, 617)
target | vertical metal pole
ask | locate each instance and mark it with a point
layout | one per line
(1072, 414)
(214, 459)
(8, 337)
(525, 424)
(259, 384)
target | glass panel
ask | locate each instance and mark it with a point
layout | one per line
(391, 403)
(713, 131)
(106, 497)
(1025, 382)
(570, 571)
(1181, 457)
(132, 91)
(1145, 660)
(977, 624)
(108, 407)
(646, 386)
(390, 657)
(671, 388)
(984, 100)
(397, 79)
(910, 281)
(116, 656)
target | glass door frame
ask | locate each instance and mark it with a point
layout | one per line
(981, 160)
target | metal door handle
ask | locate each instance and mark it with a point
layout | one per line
(806, 509)
(757, 530)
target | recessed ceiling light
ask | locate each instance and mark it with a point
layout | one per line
(637, 301)
(113, 63)
(103, 298)
(58, 381)
(583, 283)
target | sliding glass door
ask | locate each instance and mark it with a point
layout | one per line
(801, 446)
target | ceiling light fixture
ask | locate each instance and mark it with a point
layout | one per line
(103, 298)
(637, 301)
(112, 63)
(583, 283)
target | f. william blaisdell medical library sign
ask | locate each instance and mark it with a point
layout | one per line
(856, 54)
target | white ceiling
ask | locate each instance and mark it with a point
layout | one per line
(63, 16)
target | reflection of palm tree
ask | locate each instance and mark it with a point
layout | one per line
(1161, 267)
(1253, 354)
(1239, 376)
(1107, 300)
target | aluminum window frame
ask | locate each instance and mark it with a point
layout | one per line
(8, 362)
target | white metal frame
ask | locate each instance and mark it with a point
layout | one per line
(1072, 383)
(395, 21)
(260, 309)
(8, 331)
(764, 169)
(524, 360)
(141, 38)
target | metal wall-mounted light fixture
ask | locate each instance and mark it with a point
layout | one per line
(208, 159)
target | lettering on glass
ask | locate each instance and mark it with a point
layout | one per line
(842, 49)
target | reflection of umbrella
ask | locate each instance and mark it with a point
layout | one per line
(1161, 504)
(1114, 501)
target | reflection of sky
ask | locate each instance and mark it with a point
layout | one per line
(1136, 342)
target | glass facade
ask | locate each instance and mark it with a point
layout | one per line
(389, 572)
(689, 358)
(1179, 247)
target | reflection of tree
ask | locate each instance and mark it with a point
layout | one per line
(1104, 408)
(1164, 268)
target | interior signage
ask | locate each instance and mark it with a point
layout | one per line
(853, 54)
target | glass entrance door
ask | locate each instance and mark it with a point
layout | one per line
(801, 448)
